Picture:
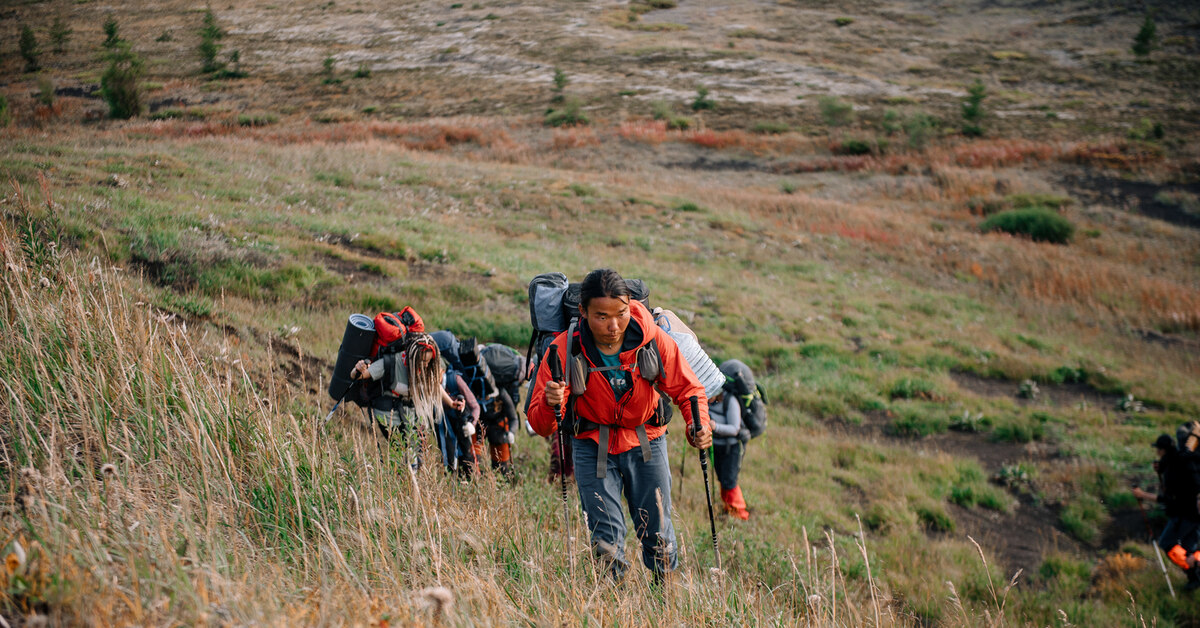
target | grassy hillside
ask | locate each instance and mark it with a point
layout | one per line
(949, 405)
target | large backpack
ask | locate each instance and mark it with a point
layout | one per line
(475, 372)
(507, 367)
(739, 382)
(391, 329)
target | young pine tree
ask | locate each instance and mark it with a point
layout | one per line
(1146, 36)
(111, 34)
(29, 49)
(60, 34)
(560, 84)
(119, 83)
(210, 34)
(972, 109)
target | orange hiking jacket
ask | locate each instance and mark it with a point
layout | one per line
(637, 406)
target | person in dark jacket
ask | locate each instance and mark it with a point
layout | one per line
(729, 441)
(617, 450)
(1177, 494)
(459, 425)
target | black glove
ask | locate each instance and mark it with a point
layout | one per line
(744, 435)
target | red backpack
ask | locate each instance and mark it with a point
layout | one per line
(390, 329)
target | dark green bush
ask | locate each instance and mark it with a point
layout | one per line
(570, 115)
(935, 519)
(29, 49)
(119, 83)
(972, 109)
(111, 34)
(1144, 41)
(1037, 223)
(834, 111)
(702, 101)
(60, 34)
(853, 147)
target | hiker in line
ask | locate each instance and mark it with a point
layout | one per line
(1178, 488)
(459, 425)
(615, 356)
(498, 416)
(412, 395)
(729, 441)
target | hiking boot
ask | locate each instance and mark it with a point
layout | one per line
(1192, 585)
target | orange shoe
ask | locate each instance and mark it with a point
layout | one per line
(735, 504)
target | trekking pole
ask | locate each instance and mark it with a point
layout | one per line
(1157, 550)
(556, 373)
(712, 522)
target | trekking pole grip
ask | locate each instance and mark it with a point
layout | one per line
(695, 401)
(556, 374)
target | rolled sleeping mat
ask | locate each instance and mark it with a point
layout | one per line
(357, 343)
(705, 369)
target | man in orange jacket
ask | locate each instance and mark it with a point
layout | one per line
(610, 406)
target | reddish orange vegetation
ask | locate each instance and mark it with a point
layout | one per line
(719, 139)
(575, 137)
(427, 136)
(648, 131)
(1120, 154)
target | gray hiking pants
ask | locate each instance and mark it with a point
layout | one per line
(647, 489)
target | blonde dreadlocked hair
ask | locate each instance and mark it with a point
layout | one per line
(424, 382)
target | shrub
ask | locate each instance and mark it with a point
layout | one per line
(5, 116)
(1019, 431)
(29, 49)
(570, 115)
(770, 128)
(45, 91)
(560, 83)
(972, 109)
(328, 72)
(919, 128)
(913, 423)
(892, 122)
(233, 69)
(935, 518)
(702, 101)
(1021, 201)
(834, 111)
(843, 21)
(119, 83)
(1083, 517)
(111, 33)
(257, 119)
(853, 147)
(1037, 223)
(60, 34)
(362, 72)
(210, 34)
(968, 422)
(687, 206)
(911, 388)
(1144, 41)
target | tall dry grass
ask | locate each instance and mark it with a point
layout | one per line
(154, 476)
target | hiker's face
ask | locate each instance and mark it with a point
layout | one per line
(607, 318)
(424, 357)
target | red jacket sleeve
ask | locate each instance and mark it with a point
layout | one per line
(541, 415)
(678, 380)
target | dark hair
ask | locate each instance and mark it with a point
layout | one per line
(602, 282)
